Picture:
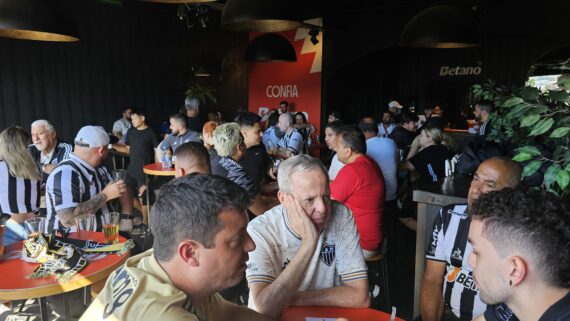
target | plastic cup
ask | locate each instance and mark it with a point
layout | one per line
(111, 226)
(34, 226)
(85, 222)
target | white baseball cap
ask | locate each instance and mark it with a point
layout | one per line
(394, 103)
(92, 136)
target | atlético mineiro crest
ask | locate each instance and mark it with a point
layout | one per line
(328, 253)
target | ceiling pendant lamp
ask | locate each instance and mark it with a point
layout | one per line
(178, 1)
(260, 15)
(270, 47)
(34, 20)
(442, 27)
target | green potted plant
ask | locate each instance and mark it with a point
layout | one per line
(202, 93)
(534, 125)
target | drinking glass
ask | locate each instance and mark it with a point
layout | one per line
(119, 174)
(85, 222)
(35, 226)
(111, 226)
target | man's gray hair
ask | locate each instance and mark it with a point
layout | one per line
(227, 137)
(44, 123)
(192, 103)
(298, 164)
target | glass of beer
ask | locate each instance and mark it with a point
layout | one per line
(111, 226)
(34, 226)
(85, 222)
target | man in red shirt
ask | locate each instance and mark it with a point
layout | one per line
(360, 186)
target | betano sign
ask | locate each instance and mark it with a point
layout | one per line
(459, 71)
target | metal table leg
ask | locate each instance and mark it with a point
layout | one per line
(43, 309)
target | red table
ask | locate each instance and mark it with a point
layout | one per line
(154, 169)
(15, 286)
(300, 313)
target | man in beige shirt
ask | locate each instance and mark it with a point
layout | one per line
(200, 247)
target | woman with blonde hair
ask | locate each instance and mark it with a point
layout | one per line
(208, 137)
(428, 154)
(20, 181)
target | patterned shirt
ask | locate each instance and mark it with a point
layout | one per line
(232, 170)
(17, 194)
(337, 260)
(448, 243)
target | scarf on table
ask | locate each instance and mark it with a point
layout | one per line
(63, 256)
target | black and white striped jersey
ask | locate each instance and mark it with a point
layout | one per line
(17, 194)
(448, 243)
(73, 182)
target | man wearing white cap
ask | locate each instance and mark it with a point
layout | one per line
(394, 107)
(80, 185)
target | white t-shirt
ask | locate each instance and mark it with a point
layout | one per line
(121, 125)
(337, 260)
(336, 166)
(384, 152)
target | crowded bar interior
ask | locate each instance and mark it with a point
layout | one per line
(284, 160)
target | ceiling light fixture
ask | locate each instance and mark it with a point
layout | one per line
(442, 27)
(34, 20)
(270, 47)
(260, 15)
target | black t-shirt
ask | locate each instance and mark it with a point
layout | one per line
(403, 138)
(256, 162)
(141, 152)
(194, 124)
(559, 311)
(435, 121)
(430, 163)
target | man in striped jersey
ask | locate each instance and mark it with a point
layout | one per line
(81, 185)
(47, 149)
(448, 250)
(307, 249)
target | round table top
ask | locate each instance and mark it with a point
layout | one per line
(15, 286)
(319, 313)
(156, 170)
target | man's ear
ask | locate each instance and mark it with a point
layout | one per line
(180, 172)
(189, 252)
(517, 269)
(243, 132)
(281, 197)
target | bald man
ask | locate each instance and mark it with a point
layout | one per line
(449, 249)
(191, 157)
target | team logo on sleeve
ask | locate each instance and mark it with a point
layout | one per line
(328, 253)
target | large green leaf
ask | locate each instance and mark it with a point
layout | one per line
(565, 84)
(559, 95)
(564, 121)
(529, 150)
(512, 102)
(559, 132)
(531, 168)
(539, 108)
(567, 167)
(541, 126)
(530, 93)
(550, 175)
(530, 120)
(518, 111)
(563, 178)
(521, 157)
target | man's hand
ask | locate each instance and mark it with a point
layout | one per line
(114, 190)
(142, 189)
(300, 221)
(48, 168)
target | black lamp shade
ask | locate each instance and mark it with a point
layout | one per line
(554, 62)
(260, 15)
(270, 47)
(34, 20)
(442, 27)
(178, 1)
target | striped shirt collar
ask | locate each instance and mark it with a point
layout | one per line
(86, 170)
